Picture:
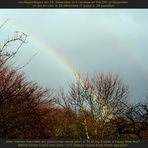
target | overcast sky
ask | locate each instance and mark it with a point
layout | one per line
(89, 40)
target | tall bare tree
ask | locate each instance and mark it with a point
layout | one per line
(101, 96)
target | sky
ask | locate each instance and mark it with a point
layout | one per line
(87, 40)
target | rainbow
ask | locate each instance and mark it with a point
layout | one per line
(71, 70)
(132, 55)
(61, 61)
(41, 45)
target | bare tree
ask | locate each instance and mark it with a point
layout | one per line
(96, 100)
(5, 55)
(75, 101)
(110, 93)
(134, 123)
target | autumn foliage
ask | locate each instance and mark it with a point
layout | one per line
(93, 108)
